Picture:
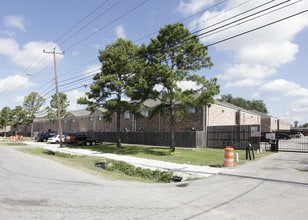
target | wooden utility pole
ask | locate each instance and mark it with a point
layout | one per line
(57, 92)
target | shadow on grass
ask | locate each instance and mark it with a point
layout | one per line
(127, 150)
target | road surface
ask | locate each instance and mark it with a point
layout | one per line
(274, 187)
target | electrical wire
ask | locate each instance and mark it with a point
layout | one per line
(67, 84)
(105, 26)
(257, 28)
(70, 81)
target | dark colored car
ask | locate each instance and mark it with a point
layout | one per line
(283, 136)
(79, 139)
(44, 135)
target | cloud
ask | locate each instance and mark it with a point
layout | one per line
(13, 84)
(246, 75)
(14, 21)
(28, 54)
(92, 70)
(284, 88)
(120, 32)
(258, 54)
(193, 6)
(271, 54)
(300, 105)
(72, 97)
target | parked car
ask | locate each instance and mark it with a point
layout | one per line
(44, 135)
(55, 139)
(283, 136)
(80, 139)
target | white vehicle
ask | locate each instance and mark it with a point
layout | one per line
(55, 139)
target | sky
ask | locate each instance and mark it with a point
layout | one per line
(258, 47)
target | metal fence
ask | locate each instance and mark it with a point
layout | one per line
(189, 139)
(238, 136)
(299, 144)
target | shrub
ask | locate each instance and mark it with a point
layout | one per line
(130, 170)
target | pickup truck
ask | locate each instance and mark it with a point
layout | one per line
(79, 139)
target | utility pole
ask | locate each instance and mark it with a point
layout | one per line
(57, 91)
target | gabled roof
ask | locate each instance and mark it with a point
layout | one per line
(79, 113)
(151, 103)
(263, 115)
(235, 107)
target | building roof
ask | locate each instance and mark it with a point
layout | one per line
(235, 107)
(80, 113)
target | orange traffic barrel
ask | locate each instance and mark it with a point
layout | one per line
(229, 157)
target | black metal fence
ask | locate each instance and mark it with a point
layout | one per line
(238, 136)
(189, 139)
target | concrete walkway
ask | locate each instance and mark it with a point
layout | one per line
(184, 170)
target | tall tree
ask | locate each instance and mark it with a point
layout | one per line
(257, 105)
(6, 118)
(52, 110)
(172, 58)
(109, 89)
(19, 116)
(32, 104)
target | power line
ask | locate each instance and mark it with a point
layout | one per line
(82, 28)
(68, 84)
(82, 20)
(102, 28)
(243, 18)
(254, 18)
(255, 29)
(237, 15)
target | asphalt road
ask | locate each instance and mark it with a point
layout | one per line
(274, 187)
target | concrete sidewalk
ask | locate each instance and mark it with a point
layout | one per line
(184, 170)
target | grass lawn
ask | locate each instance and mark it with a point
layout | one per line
(199, 156)
(85, 163)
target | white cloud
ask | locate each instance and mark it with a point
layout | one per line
(13, 84)
(193, 6)
(120, 32)
(14, 21)
(187, 85)
(28, 54)
(72, 97)
(246, 75)
(268, 53)
(92, 70)
(284, 88)
(8, 33)
(300, 105)
(19, 100)
(258, 54)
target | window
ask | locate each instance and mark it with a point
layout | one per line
(191, 109)
(126, 115)
(145, 113)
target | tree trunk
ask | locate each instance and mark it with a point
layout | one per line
(32, 128)
(119, 124)
(172, 127)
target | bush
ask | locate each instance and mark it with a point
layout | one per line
(130, 170)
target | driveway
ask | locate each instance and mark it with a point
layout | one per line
(274, 187)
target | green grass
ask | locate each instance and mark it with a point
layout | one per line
(199, 156)
(115, 170)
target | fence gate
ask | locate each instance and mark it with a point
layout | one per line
(295, 144)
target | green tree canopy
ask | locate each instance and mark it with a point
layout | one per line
(32, 104)
(172, 58)
(257, 105)
(6, 116)
(109, 89)
(52, 110)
